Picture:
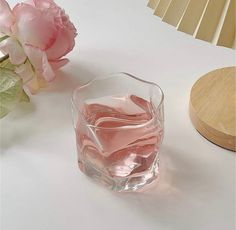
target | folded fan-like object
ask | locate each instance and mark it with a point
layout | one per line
(213, 21)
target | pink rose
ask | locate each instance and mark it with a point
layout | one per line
(40, 34)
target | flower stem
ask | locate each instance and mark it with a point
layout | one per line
(2, 59)
(3, 38)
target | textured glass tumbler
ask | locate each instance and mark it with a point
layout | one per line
(119, 127)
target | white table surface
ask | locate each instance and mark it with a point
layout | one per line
(41, 186)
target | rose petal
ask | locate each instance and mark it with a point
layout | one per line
(48, 72)
(64, 44)
(57, 64)
(6, 18)
(35, 84)
(12, 47)
(35, 27)
(44, 4)
(38, 59)
(30, 2)
(25, 71)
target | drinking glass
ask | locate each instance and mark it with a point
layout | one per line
(119, 126)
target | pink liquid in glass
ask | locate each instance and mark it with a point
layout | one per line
(118, 140)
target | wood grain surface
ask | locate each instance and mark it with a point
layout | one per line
(213, 107)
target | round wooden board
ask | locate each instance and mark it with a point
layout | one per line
(213, 107)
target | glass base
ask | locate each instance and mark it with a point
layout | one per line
(119, 184)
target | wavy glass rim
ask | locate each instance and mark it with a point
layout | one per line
(108, 77)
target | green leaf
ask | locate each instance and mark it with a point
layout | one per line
(24, 97)
(11, 91)
(7, 64)
(3, 38)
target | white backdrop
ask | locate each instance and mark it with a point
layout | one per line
(41, 186)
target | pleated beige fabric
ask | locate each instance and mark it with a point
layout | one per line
(213, 21)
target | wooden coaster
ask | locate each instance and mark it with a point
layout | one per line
(213, 107)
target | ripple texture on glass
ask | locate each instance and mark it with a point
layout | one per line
(118, 141)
